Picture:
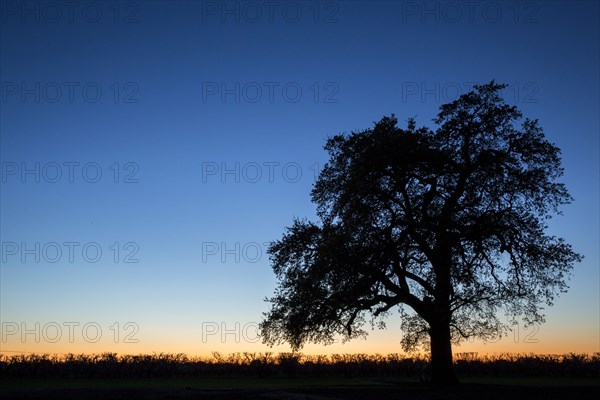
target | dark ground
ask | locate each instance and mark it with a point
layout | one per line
(291, 390)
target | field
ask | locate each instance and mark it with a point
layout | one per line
(289, 376)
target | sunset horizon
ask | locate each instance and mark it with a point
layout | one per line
(308, 177)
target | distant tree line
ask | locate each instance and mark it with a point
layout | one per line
(112, 365)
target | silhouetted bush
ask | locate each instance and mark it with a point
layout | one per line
(112, 365)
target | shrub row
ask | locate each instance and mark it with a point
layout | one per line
(112, 365)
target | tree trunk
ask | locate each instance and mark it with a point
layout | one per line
(442, 368)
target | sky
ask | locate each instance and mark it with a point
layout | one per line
(151, 149)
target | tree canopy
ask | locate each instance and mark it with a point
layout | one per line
(449, 224)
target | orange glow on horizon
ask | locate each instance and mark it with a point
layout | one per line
(195, 349)
(550, 338)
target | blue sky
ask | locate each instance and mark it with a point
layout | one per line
(206, 121)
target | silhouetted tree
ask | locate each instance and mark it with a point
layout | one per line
(449, 222)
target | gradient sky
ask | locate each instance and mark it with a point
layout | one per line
(207, 120)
